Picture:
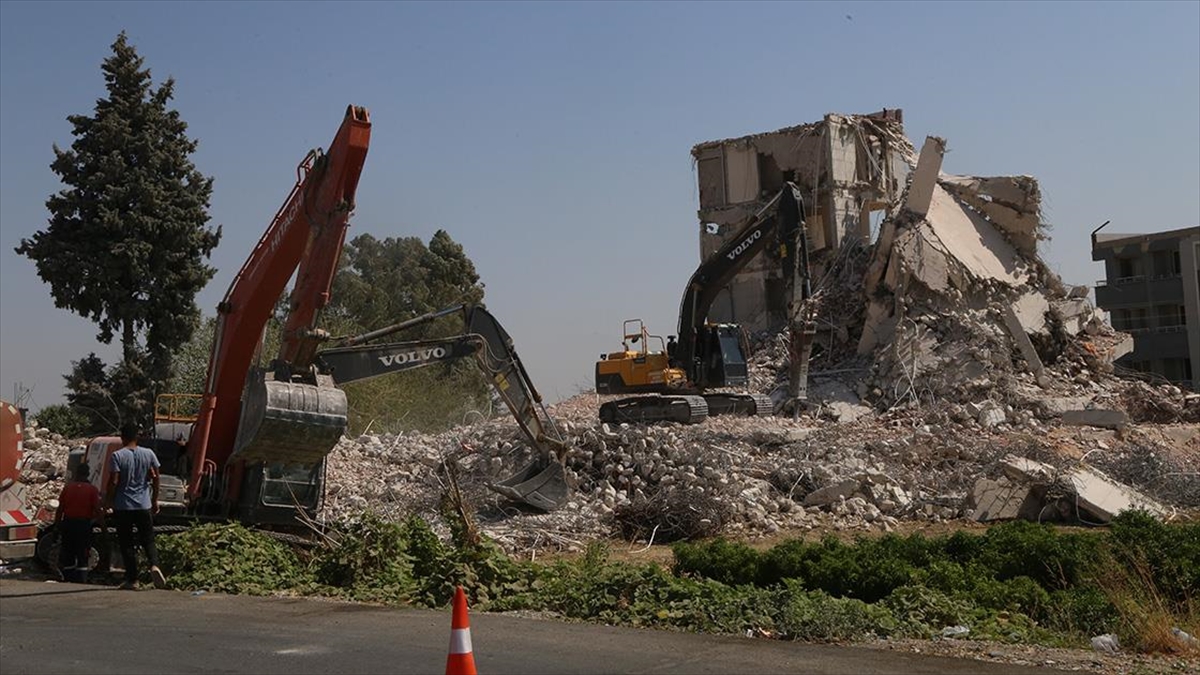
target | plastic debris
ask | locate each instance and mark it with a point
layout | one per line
(955, 631)
(1106, 644)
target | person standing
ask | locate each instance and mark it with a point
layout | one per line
(78, 509)
(133, 498)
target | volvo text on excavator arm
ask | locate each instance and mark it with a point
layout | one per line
(542, 483)
(707, 356)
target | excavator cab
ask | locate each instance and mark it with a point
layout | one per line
(636, 368)
(723, 357)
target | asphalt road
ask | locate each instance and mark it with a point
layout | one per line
(68, 628)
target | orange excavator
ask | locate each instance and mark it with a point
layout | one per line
(18, 524)
(253, 446)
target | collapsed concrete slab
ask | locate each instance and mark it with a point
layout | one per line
(1103, 498)
(1033, 490)
(1003, 499)
(1012, 203)
(832, 493)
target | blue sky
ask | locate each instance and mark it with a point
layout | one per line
(552, 139)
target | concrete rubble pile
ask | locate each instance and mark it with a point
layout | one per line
(43, 464)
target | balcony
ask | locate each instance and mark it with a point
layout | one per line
(1161, 343)
(1139, 290)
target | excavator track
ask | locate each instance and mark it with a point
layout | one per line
(749, 405)
(648, 409)
(763, 405)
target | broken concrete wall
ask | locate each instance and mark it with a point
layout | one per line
(1011, 203)
(848, 167)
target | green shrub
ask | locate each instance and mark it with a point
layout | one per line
(868, 569)
(369, 561)
(946, 576)
(63, 419)
(925, 610)
(1169, 556)
(814, 616)
(727, 562)
(1019, 594)
(1084, 609)
(1023, 549)
(229, 558)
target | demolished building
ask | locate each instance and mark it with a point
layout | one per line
(851, 169)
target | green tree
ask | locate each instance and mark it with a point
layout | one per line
(382, 282)
(63, 419)
(89, 392)
(191, 361)
(127, 235)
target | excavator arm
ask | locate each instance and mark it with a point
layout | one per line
(541, 484)
(778, 222)
(282, 418)
(708, 356)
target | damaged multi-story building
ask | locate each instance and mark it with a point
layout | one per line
(851, 169)
(1151, 290)
(934, 278)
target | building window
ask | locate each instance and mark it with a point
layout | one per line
(1127, 267)
(1129, 319)
(1170, 315)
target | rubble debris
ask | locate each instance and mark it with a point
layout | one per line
(1001, 499)
(1106, 644)
(1033, 490)
(1097, 417)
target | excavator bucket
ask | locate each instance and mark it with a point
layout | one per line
(541, 484)
(289, 422)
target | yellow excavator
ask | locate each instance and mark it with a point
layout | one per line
(675, 383)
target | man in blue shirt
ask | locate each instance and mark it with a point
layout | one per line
(133, 498)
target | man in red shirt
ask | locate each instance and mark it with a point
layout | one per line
(78, 508)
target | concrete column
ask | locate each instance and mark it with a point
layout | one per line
(929, 165)
(1189, 259)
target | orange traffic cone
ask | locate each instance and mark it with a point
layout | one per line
(460, 661)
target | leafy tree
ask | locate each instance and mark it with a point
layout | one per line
(381, 282)
(191, 361)
(63, 419)
(127, 235)
(90, 393)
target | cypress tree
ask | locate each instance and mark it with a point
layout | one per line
(127, 237)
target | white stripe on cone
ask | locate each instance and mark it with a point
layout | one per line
(460, 641)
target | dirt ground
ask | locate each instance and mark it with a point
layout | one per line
(1086, 660)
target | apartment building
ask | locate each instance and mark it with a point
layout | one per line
(1151, 290)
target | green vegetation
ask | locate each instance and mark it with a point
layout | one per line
(1018, 582)
(380, 283)
(127, 237)
(63, 419)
